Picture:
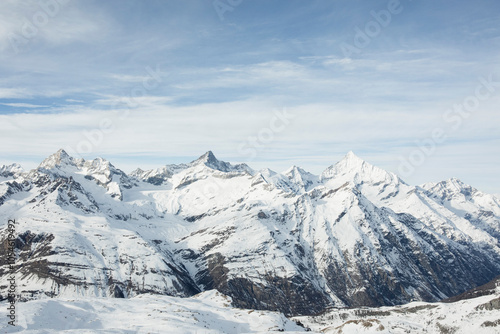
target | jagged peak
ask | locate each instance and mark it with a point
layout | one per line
(301, 178)
(451, 182)
(59, 158)
(100, 163)
(450, 186)
(269, 176)
(455, 181)
(294, 169)
(298, 172)
(208, 157)
(136, 172)
(15, 165)
(100, 166)
(209, 160)
(10, 170)
(62, 154)
(266, 174)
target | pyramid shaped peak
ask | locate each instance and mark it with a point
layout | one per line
(355, 169)
(302, 179)
(57, 159)
(209, 160)
(352, 157)
(292, 170)
(62, 153)
(350, 163)
(295, 170)
(208, 157)
(295, 167)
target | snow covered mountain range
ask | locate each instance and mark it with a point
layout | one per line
(294, 242)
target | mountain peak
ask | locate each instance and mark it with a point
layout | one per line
(10, 170)
(451, 183)
(349, 164)
(302, 178)
(62, 151)
(456, 181)
(353, 168)
(57, 159)
(352, 159)
(208, 157)
(294, 169)
(351, 154)
(209, 160)
(296, 172)
(450, 188)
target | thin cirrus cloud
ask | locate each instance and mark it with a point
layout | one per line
(23, 105)
(218, 83)
(25, 24)
(14, 93)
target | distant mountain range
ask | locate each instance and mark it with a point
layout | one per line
(295, 242)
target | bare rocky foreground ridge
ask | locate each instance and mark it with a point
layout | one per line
(295, 242)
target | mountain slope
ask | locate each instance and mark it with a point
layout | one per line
(474, 315)
(208, 312)
(293, 242)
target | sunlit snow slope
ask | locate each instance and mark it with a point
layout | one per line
(294, 242)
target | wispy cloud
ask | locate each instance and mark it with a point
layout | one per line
(133, 102)
(25, 23)
(23, 105)
(129, 78)
(14, 93)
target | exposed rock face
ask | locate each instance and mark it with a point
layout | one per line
(290, 295)
(487, 289)
(293, 242)
(492, 305)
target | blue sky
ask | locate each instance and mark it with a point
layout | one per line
(270, 83)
